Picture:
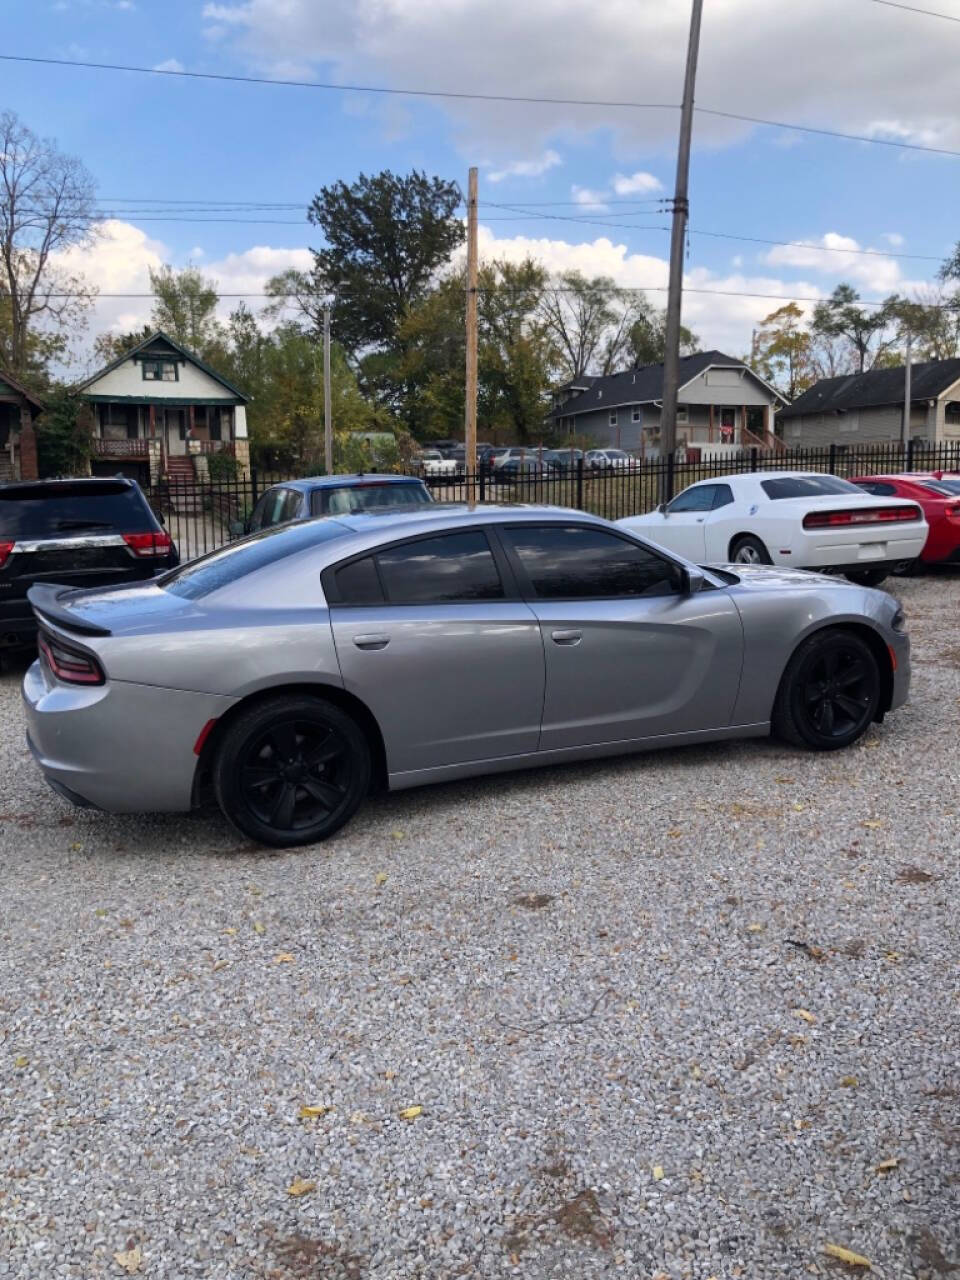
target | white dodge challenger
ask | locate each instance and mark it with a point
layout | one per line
(807, 521)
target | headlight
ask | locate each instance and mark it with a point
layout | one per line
(899, 621)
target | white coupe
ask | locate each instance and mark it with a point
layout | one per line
(789, 518)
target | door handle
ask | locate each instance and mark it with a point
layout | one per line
(371, 642)
(566, 637)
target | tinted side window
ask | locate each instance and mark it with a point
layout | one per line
(291, 505)
(878, 488)
(454, 567)
(805, 486)
(722, 495)
(576, 563)
(269, 510)
(358, 583)
(698, 498)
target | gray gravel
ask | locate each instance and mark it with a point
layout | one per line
(586, 978)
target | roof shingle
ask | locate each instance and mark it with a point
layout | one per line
(878, 387)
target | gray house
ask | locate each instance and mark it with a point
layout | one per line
(867, 408)
(722, 406)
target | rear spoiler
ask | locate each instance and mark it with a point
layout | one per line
(45, 601)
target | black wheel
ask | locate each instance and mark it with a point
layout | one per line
(749, 550)
(291, 771)
(867, 577)
(829, 693)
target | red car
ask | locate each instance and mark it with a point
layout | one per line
(939, 496)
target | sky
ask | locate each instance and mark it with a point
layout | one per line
(583, 182)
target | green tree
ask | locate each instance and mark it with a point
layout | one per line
(186, 309)
(111, 346)
(867, 336)
(782, 351)
(931, 318)
(648, 335)
(63, 430)
(46, 208)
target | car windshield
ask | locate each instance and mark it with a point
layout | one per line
(807, 487)
(224, 566)
(67, 509)
(367, 497)
(943, 485)
(616, 453)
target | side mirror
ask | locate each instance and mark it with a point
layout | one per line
(693, 580)
(237, 528)
(661, 508)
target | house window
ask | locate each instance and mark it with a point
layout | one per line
(118, 422)
(614, 419)
(683, 414)
(637, 414)
(214, 423)
(160, 371)
(951, 412)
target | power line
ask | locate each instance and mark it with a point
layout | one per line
(927, 13)
(617, 104)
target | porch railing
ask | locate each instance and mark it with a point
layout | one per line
(135, 448)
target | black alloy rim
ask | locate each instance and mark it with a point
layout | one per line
(837, 688)
(295, 775)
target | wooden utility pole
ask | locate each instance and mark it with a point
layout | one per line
(907, 394)
(470, 458)
(327, 399)
(681, 209)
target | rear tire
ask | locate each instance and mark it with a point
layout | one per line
(868, 577)
(829, 693)
(291, 770)
(749, 550)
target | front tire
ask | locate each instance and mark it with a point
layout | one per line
(829, 694)
(291, 770)
(749, 550)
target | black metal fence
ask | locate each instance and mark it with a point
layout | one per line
(202, 515)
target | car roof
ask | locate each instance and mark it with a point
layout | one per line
(308, 483)
(62, 482)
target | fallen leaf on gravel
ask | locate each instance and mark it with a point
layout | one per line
(675, 834)
(307, 1111)
(300, 1187)
(389, 1074)
(846, 1255)
(100, 912)
(259, 928)
(76, 846)
(872, 823)
(657, 1172)
(380, 879)
(285, 957)
(410, 1113)
(894, 957)
(799, 808)
(129, 1260)
(397, 835)
(784, 779)
(849, 1082)
(886, 1165)
(21, 1062)
(220, 964)
(230, 932)
(755, 928)
(805, 1014)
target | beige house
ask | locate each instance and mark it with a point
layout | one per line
(160, 410)
(867, 408)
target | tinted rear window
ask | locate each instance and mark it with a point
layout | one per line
(366, 497)
(943, 486)
(228, 564)
(806, 486)
(65, 510)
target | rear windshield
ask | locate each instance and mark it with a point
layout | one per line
(943, 485)
(228, 564)
(64, 510)
(807, 486)
(366, 497)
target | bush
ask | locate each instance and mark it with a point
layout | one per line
(64, 430)
(222, 467)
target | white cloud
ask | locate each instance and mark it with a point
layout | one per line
(893, 238)
(595, 200)
(636, 184)
(903, 73)
(527, 168)
(841, 256)
(171, 64)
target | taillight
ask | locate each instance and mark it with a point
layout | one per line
(72, 666)
(149, 544)
(872, 515)
(5, 549)
(952, 513)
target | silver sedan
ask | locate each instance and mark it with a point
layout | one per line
(287, 674)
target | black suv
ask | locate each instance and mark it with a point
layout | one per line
(76, 533)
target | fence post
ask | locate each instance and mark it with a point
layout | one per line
(253, 486)
(671, 463)
(580, 484)
(483, 483)
(754, 457)
(832, 464)
(910, 444)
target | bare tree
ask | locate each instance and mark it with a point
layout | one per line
(46, 207)
(589, 323)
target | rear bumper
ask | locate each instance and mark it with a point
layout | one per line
(888, 547)
(126, 748)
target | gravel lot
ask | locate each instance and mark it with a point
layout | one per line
(587, 978)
